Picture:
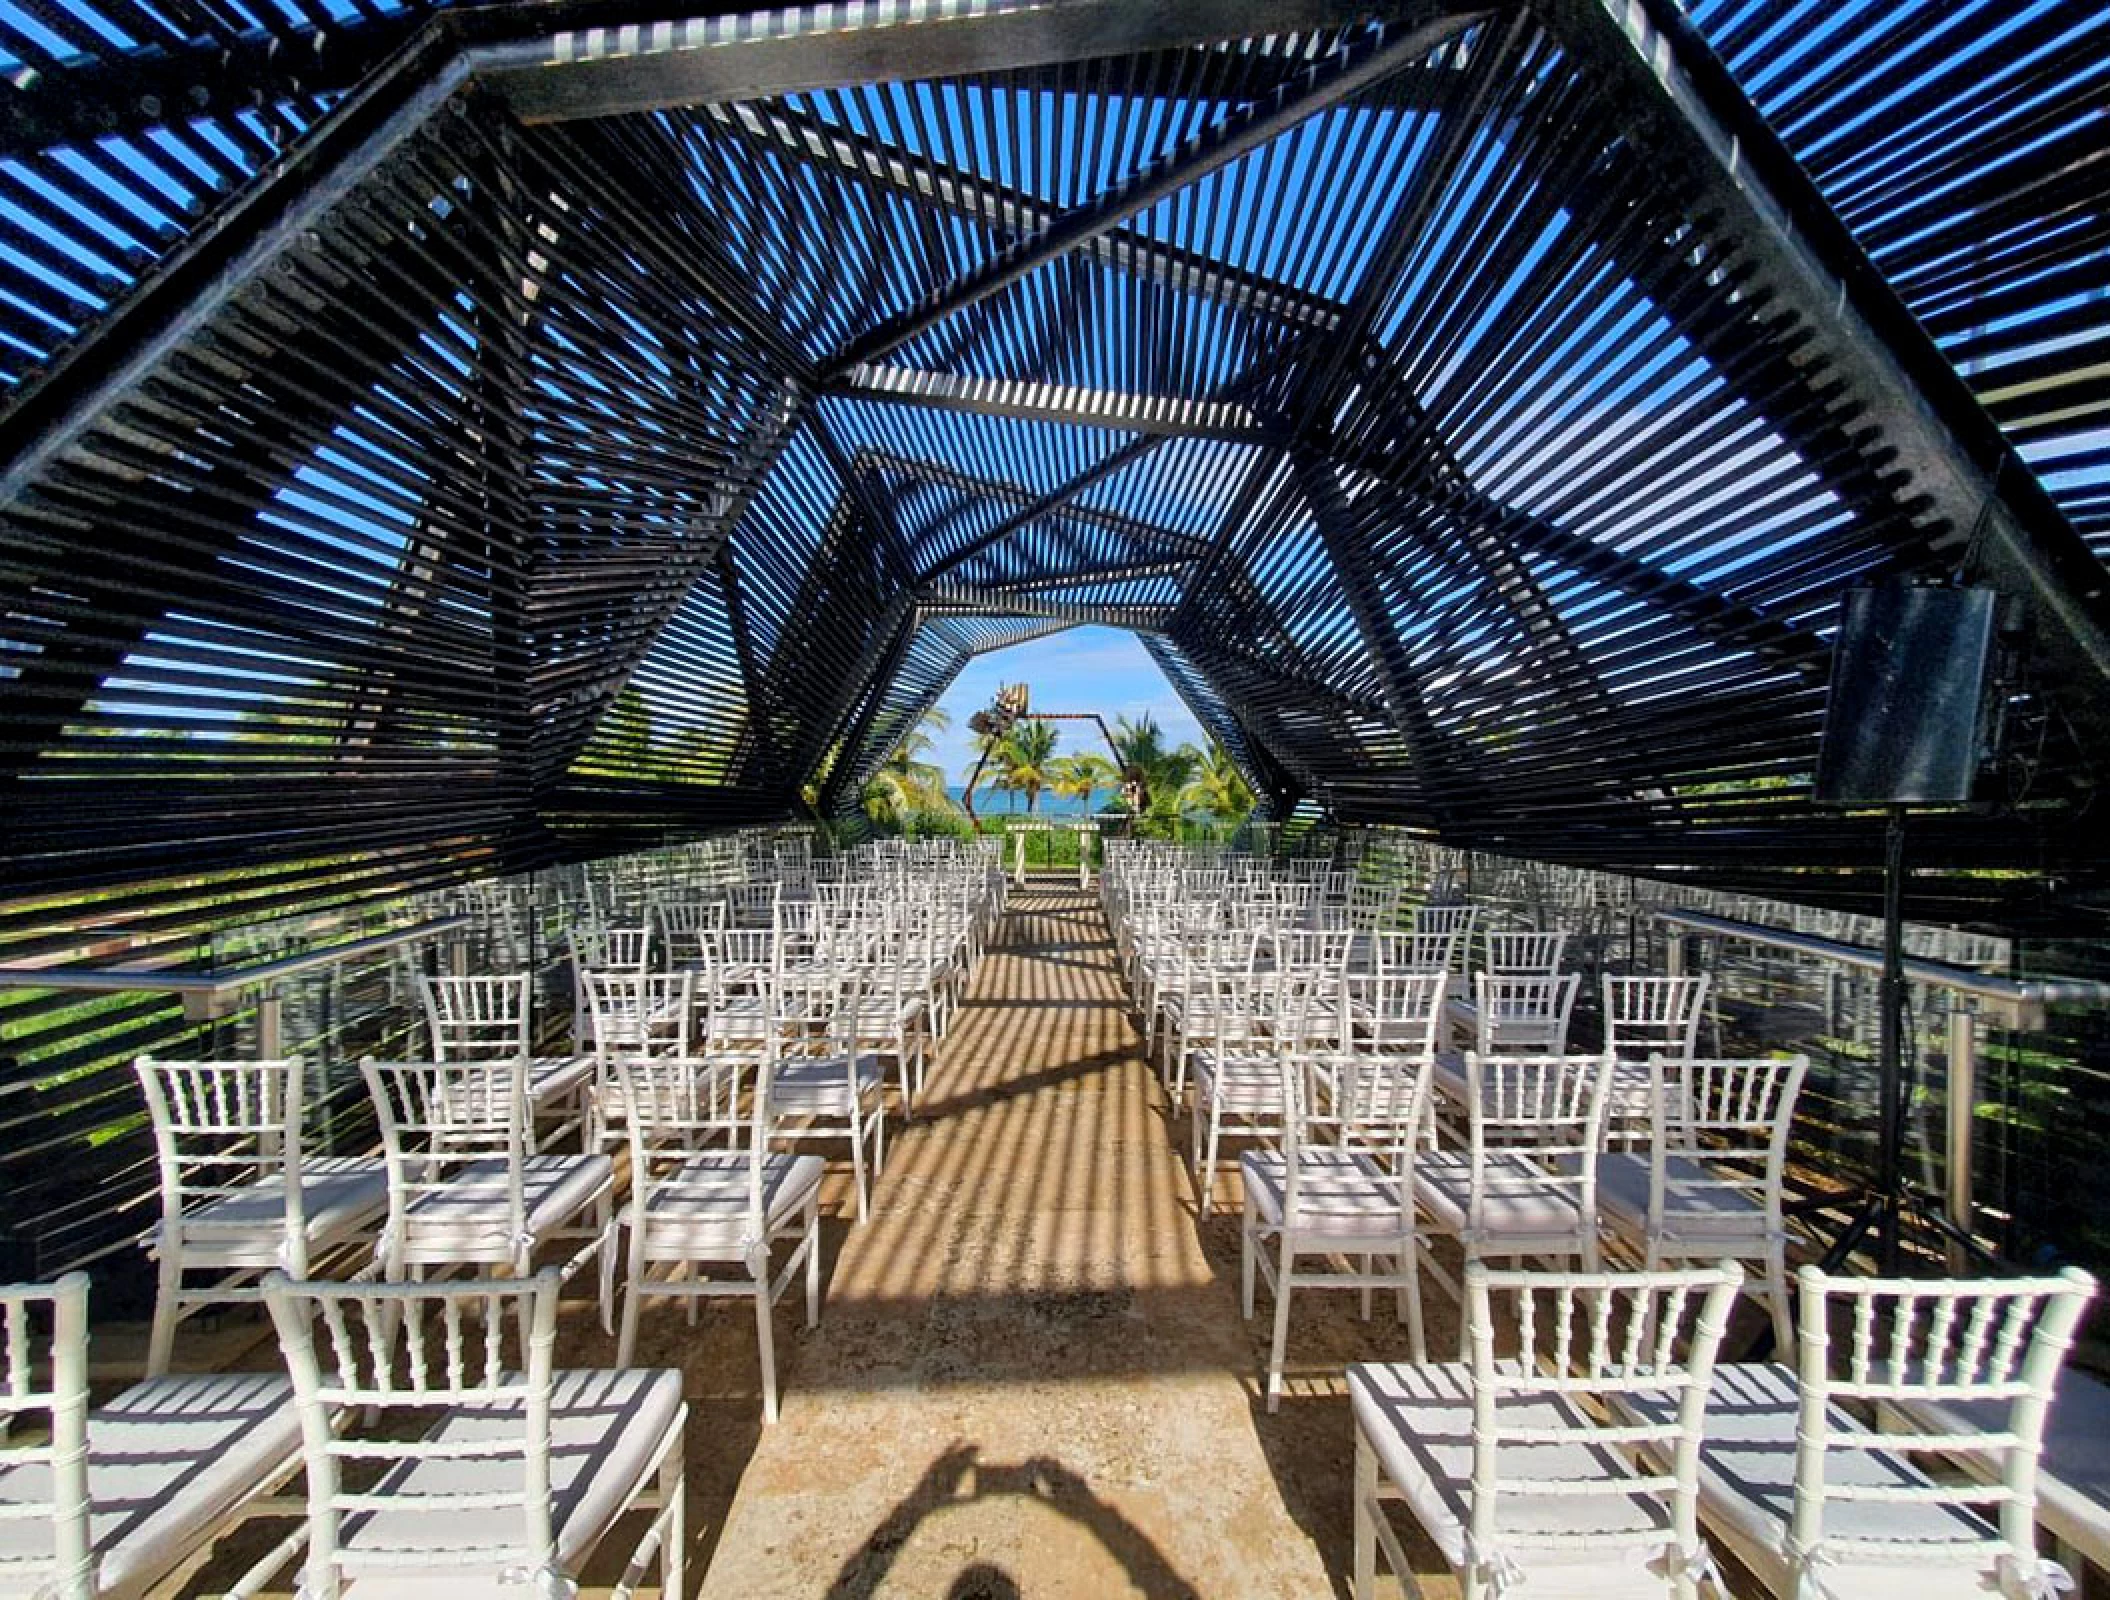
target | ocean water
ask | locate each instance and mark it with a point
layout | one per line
(1001, 803)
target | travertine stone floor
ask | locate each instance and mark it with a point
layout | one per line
(1030, 1377)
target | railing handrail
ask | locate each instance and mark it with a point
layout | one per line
(116, 980)
(2023, 1000)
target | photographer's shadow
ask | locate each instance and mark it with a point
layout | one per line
(959, 1477)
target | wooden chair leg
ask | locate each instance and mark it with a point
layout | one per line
(1365, 1509)
(813, 1262)
(161, 1344)
(765, 1339)
(1280, 1343)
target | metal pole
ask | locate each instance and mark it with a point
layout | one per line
(1963, 1105)
(270, 1025)
(1890, 1066)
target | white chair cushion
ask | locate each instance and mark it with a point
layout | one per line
(1747, 1494)
(341, 1196)
(1341, 1196)
(169, 1461)
(1519, 1196)
(821, 1087)
(469, 1215)
(2073, 1478)
(1251, 1085)
(1699, 1210)
(1419, 1420)
(605, 1431)
(699, 1210)
(556, 1077)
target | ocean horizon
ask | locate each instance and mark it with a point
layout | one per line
(990, 802)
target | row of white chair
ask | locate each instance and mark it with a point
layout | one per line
(1587, 1457)
(517, 1480)
(1532, 1182)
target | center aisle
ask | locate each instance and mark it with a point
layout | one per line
(1027, 1379)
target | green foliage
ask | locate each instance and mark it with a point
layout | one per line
(907, 788)
(1218, 790)
(1028, 754)
(1081, 777)
(629, 743)
(1181, 781)
(947, 824)
(621, 746)
(1020, 760)
(1045, 847)
(1164, 772)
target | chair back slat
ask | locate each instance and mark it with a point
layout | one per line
(1392, 1012)
(1417, 951)
(53, 1407)
(1942, 1342)
(1524, 952)
(680, 1107)
(640, 1013)
(477, 1018)
(1535, 1126)
(452, 1132)
(1718, 1135)
(388, 1352)
(606, 948)
(683, 923)
(1592, 1336)
(1454, 922)
(1526, 1013)
(1654, 1016)
(220, 1129)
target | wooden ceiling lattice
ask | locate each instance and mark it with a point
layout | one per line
(503, 435)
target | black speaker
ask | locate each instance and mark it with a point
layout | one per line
(1908, 722)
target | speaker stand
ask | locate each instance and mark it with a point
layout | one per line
(1884, 1204)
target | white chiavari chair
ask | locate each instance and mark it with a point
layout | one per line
(709, 1197)
(1816, 1503)
(128, 1498)
(1507, 1461)
(1349, 1202)
(1525, 1185)
(465, 1191)
(1713, 1184)
(240, 1194)
(520, 1477)
(491, 1018)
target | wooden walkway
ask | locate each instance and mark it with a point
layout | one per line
(1030, 1377)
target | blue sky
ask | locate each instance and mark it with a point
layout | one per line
(1086, 669)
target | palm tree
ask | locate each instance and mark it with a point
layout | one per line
(1161, 773)
(1082, 776)
(1027, 756)
(1217, 790)
(988, 763)
(906, 783)
(1141, 746)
